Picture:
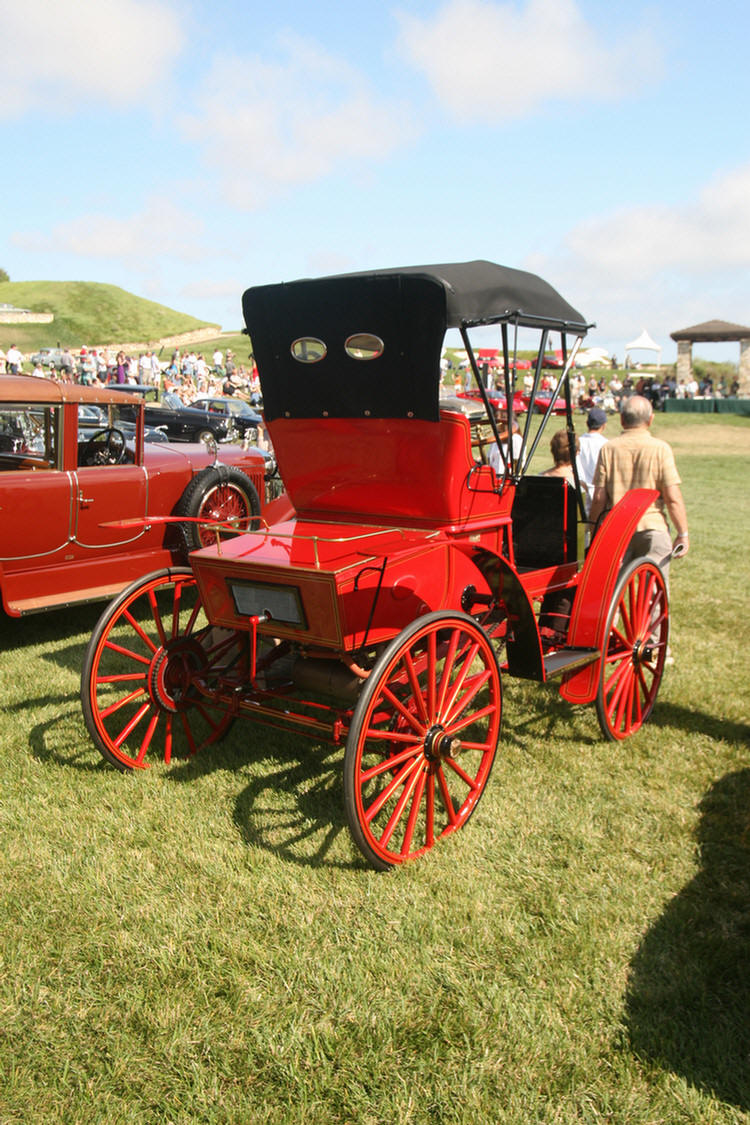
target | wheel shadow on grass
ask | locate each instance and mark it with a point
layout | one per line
(668, 714)
(63, 740)
(545, 713)
(292, 806)
(688, 994)
(538, 711)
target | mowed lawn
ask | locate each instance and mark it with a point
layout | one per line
(201, 942)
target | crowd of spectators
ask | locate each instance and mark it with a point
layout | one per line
(607, 390)
(611, 394)
(189, 375)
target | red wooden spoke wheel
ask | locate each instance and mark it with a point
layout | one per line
(150, 651)
(635, 650)
(219, 494)
(422, 739)
(228, 503)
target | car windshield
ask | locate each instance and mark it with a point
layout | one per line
(236, 406)
(173, 401)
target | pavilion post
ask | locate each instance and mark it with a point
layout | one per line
(684, 360)
(744, 372)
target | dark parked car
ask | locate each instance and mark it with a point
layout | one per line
(47, 356)
(243, 420)
(180, 422)
(86, 505)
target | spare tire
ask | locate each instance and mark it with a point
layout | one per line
(219, 493)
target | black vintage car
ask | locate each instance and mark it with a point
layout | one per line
(180, 422)
(238, 413)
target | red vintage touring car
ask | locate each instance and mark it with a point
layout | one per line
(400, 576)
(72, 462)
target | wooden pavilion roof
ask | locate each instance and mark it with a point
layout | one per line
(713, 331)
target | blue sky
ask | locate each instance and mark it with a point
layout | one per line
(186, 149)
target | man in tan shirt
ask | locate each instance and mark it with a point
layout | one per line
(636, 459)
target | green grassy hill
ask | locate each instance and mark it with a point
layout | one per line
(89, 313)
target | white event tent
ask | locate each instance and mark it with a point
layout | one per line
(644, 342)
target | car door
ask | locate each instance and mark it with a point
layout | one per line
(35, 492)
(105, 494)
(36, 501)
(35, 516)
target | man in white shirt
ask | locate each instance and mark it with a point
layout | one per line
(591, 443)
(155, 369)
(13, 360)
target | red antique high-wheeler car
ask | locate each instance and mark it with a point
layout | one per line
(399, 576)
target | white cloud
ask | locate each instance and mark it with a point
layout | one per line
(706, 236)
(59, 55)
(660, 267)
(484, 58)
(265, 124)
(160, 230)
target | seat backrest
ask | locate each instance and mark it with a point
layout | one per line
(544, 522)
(400, 470)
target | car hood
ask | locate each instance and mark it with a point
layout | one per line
(164, 455)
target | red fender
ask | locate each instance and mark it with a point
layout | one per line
(596, 586)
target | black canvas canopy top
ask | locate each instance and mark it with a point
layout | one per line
(408, 309)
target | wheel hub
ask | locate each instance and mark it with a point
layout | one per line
(438, 745)
(173, 669)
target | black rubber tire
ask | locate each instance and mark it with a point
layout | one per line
(218, 492)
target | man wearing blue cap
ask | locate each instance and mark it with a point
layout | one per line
(591, 443)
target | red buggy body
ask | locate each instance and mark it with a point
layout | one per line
(400, 575)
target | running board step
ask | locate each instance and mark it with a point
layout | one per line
(568, 660)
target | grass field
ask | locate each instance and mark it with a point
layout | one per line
(201, 943)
